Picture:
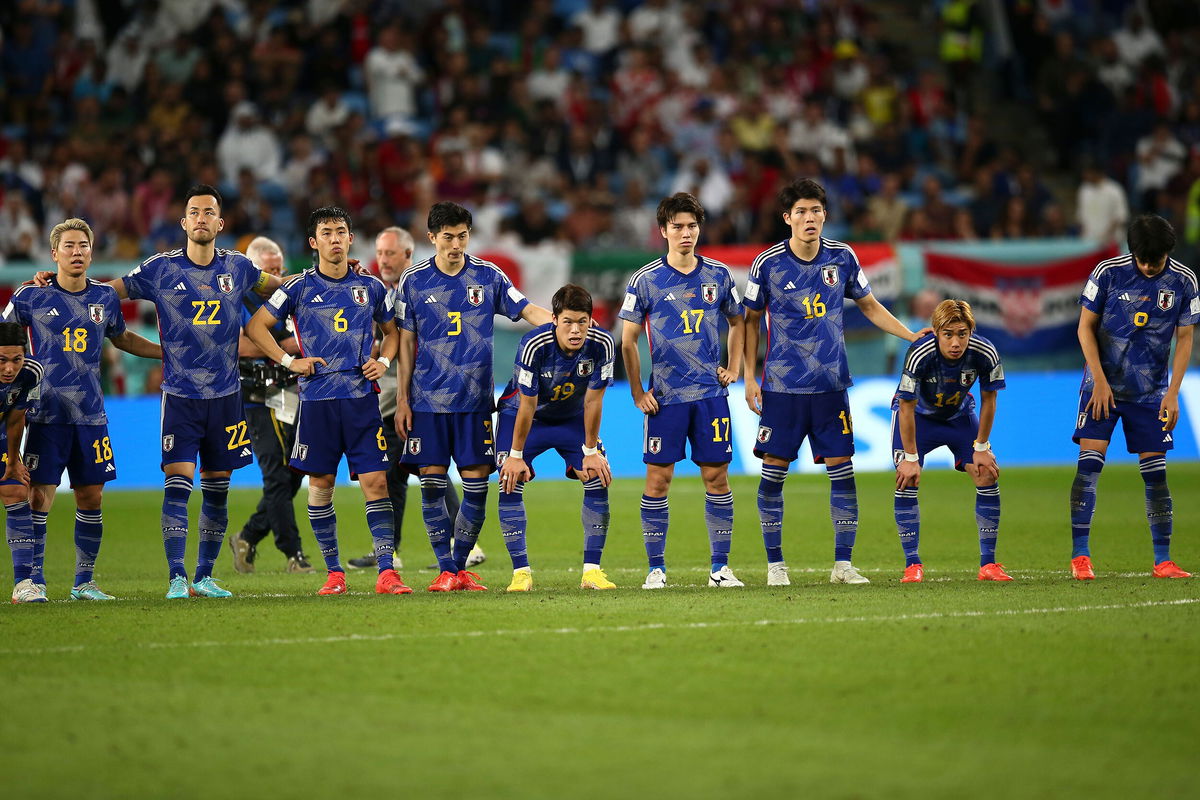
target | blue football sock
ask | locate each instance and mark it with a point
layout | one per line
(470, 519)
(1158, 505)
(512, 525)
(987, 517)
(176, 491)
(19, 527)
(214, 519)
(843, 509)
(382, 523)
(770, 510)
(1083, 500)
(37, 572)
(89, 526)
(595, 516)
(324, 526)
(437, 521)
(908, 523)
(718, 516)
(655, 518)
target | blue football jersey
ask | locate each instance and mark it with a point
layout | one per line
(804, 300)
(22, 392)
(453, 317)
(66, 334)
(199, 317)
(683, 316)
(559, 381)
(1138, 318)
(334, 319)
(941, 387)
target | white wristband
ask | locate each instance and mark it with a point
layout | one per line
(911, 457)
(590, 451)
(516, 454)
(982, 447)
(287, 360)
(387, 362)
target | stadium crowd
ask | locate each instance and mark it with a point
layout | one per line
(566, 121)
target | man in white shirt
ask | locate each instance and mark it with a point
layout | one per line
(1101, 206)
(392, 74)
(249, 144)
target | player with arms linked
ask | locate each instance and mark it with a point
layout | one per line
(19, 381)
(444, 398)
(682, 298)
(198, 292)
(802, 284)
(933, 407)
(1133, 305)
(334, 312)
(68, 320)
(555, 401)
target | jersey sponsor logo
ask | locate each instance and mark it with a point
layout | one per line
(168, 442)
(654, 444)
(670, 295)
(317, 299)
(225, 283)
(475, 295)
(1166, 299)
(966, 377)
(764, 434)
(790, 285)
(96, 312)
(431, 299)
(414, 445)
(709, 292)
(32, 460)
(829, 276)
(359, 295)
(585, 368)
(51, 313)
(179, 287)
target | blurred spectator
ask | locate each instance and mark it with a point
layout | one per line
(601, 26)
(18, 230)
(328, 112)
(531, 224)
(1136, 40)
(392, 74)
(1101, 207)
(1159, 156)
(888, 209)
(248, 143)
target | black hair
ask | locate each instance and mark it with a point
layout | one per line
(201, 189)
(448, 215)
(12, 334)
(1150, 238)
(800, 189)
(571, 298)
(328, 214)
(679, 203)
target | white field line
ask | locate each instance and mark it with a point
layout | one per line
(600, 629)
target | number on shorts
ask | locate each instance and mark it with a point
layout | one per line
(716, 426)
(103, 450)
(237, 435)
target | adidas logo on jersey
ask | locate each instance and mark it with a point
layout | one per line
(180, 286)
(245, 451)
(110, 468)
(670, 295)
(431, 299)
(790, 285)
(52, 312)
(317, 299)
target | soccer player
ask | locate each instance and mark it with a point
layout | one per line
(682, 299)
(802, 284)
(393, 254)
(19, 380)
(334, 312)
(197, 292)
(934, 406)
(68, 320)
(554, 401)
(272, 432)
(446, 307)
(1132, 307)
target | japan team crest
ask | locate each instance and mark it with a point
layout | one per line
(168, 442)
(359, 295)
(654, 444)
(764, 434)
(96, 312)
(301, 452)
(585, 368)
(966, 377)
(414, 445)
(829, 276)
(709, 292)
(31, 460)
(475, 295)
(225, 283)
(1166, 299)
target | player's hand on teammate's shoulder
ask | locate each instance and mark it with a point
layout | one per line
(921, 333)
(41, 278)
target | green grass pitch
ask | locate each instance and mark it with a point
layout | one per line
(1044, 687)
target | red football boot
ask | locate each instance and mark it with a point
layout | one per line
(334, 584)
(993, 572)
(913, 573)
(1081, 569)
(469, 582)
(389, 582)
(446, 582)
(1169, 569)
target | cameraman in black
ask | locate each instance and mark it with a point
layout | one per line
(271, 399)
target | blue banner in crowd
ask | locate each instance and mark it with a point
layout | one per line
(1034, 421)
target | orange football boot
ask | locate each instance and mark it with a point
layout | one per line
(1081, 568)
(334, 584)
(446, 582)
(469, 582)
(993, 572)
(913, 573)
(1169, 569)
(389, 582)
